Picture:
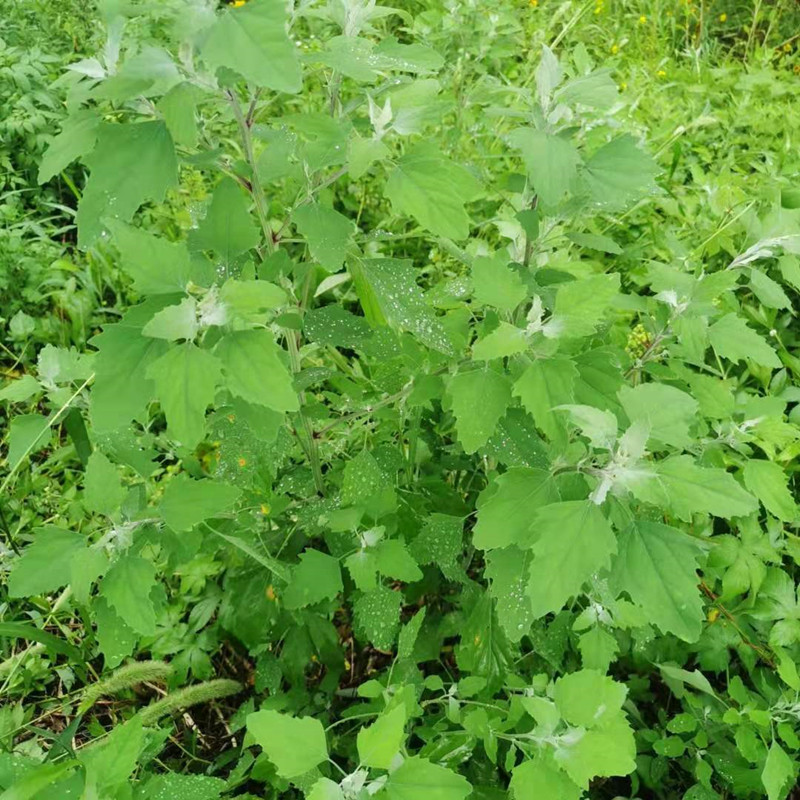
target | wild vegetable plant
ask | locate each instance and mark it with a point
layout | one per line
(385, 422)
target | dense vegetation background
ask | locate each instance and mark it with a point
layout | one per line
(399, 402)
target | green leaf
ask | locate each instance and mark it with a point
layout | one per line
(379, 743)
(174, 322)
(409, 634)
(667, 411)
(601, 752)
(619, 173)
(574, 541)
(544, 385)
(20, 389)
(77, 138)
(479, 400)
(768, 482)
(537, 779)
(294, 745)
(551, 160)
(685, 488)
(768, 291)
(598, 649)
(325, 789)
(156, 265)
(316, 578)
(122, 389)
(178, 107)
(588, 698)
(132, 163)
(327, 232)
(389, 295)
(483, 650)
(418, 778)
(507, 570)
(254, 370)
(581, 306)
(433, 189)
(376, 617)
(188, 502)
(227, 228)
(115, 639)
(126, 587)
(45, 563)
(732, 338)
(505, 340)
(109, 766)
(495, 284)
(186, 379)
(657, 566)
(441, 542)
(27, 434)
(778, 773)
(183, 787)
(252, 41)
(505, 507)
(103, 490)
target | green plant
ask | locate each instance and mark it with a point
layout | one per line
(425, 431)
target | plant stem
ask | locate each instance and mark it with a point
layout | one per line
(256, 190)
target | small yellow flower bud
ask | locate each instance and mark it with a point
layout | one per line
(723, 17)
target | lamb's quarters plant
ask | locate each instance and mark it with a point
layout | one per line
(403, 448)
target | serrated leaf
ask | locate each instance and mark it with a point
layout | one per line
(778, 773)
(156, 265)
(536, 779)
(327, 232)
(178, 107)
(441, 542)
(389, 295)
(126, 587)
(254, 371)
(505, 340)
(546, 384)
(657, 566)
(668, 412)
(574, 541)
(376, 617)
(251, 40)
(187, 502)
(768, 482)
(409, 634)
(619, 173)
(227, 228)
(293, 744)
(122, 389)
(507, 571)
(598, 649)
(27, 434)
(183, 787)
(506, 507)
(103, 490)
(380, 742)
(186, 379)
(317, 577)
(115, 639)
(495, 284)
(551, 160)
(588, 698)
(433, 189)
(45, 563)
(601, 752)
(417, 777)
(686, 488)
(581, 306)
(77, 138)
(131, 164)
(479, 398)
(733, 339)
(174, 322)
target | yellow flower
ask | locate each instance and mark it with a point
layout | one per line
(533, 3)
(723, 17)
(242, 462)
(614, 49)
(642, 19)
(661, 73)
(796, 69)
(623, 86)
(238, 3)
(787, 48)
